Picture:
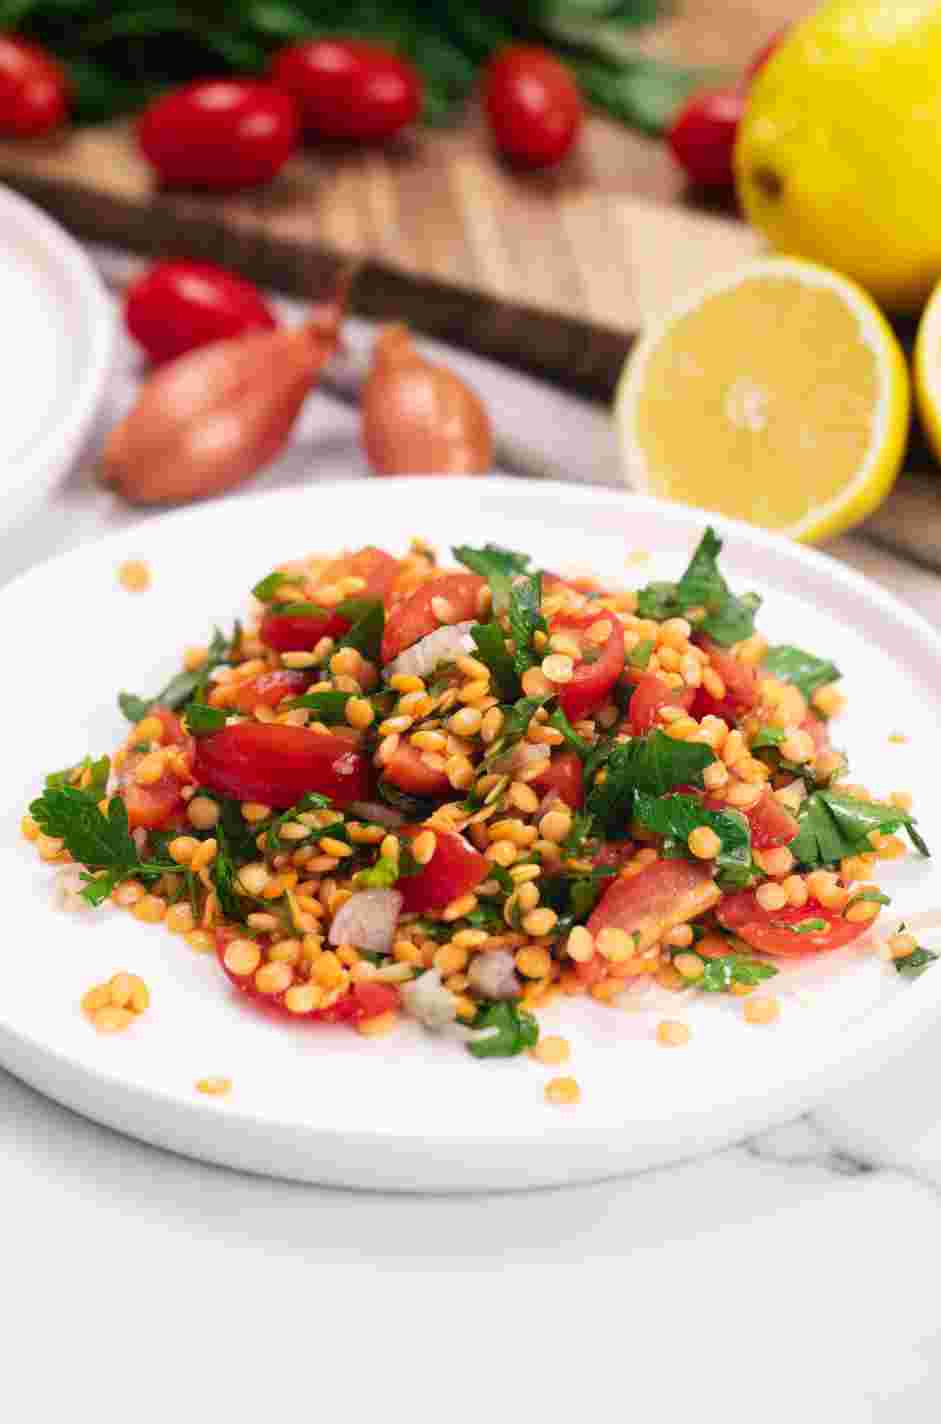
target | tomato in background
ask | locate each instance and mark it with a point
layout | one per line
(702, 136)
(219, 134)
(349, 89)
(177, 306)
(34, 97)
(533, 105)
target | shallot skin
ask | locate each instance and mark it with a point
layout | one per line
(419, 418)
(211, 419)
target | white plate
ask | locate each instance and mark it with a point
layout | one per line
(55, 352)
(409, 1111)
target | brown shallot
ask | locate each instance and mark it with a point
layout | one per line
(419, 418)
(213, 418)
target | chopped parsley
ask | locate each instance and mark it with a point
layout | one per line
(380, 876)
(516, 1030)
(328, 707)
(202, 720)
(728, 619)
(99, 772)
(914, 964)
(492, 650)
(184, 686)
(526, 620)
(676, 817)
(639, 657)
(498, 566)
(102, 843)
(803, 670)
(727, 969)
(367, 619)
(654, 765)
(834, 825)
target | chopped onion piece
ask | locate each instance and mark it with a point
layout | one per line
(444, 645)
(367, 920)
(427, 1000)
(493, 974)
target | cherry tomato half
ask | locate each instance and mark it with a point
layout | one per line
(533, 105)
(154, 806)
(597, 671)
(406, 770)
(34, 97)
(414, 618)
(771, 823)
(363, 1000)
(777, 931)
(564, 776)
(219, 134)
(349, 89)
(455, 869)
(703, 134)
(297, 632)
(276, 765)
(664, 894)
(650, 694)
(270, 688)
(177, 306)
(741, 686)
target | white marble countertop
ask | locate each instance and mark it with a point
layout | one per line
(793, 1274)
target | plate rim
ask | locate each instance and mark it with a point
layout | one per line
(870, 1038)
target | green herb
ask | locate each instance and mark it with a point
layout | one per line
(639, 657)
(802, 927)
(183, 687)
(302, 609)
(503, 878)
(586, 891)
(872, 897)
(676, 817)
(516, 1031)
(654, 764)
(202, 720)
(805, 671)
(485, 917)
(720, 974)
(516, 720)
(729, 619)
(97, 841)
(575, 842)
(415, 808)
(834, 825)
(266, 591)
(498, 566)
(525, 620)
(313, 801)
(100, 771)
(561, 723)
(223, 874)
(327, 707)
(492, 650)
(914, 964)
(367, 617)
(768, 737)
(573, 897)
(380, 876)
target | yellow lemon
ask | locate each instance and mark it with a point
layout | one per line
(838, 158)
(776, 394)
(927, 366)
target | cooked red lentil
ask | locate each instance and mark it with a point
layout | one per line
(456, 793)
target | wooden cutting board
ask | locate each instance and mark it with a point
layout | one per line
(553, 272)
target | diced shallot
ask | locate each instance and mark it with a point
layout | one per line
(367, 920)
(427, 1000)
(444, 645)
(493, 975)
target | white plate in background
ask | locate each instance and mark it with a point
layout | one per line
(410, 1111)
(56, 339)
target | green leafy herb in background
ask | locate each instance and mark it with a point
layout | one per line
(728, 619)
(120, 56)
(834, 825)
(492, 650)
(804, 670)
(184, 686)
(498, 566)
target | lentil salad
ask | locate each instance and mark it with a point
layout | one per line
(457, 793)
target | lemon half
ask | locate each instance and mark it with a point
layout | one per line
(927, 366)
(776, 394)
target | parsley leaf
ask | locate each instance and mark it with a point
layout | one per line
(806, 672)
(676, 817)
(313, 801)
(183, 687)
(526, 619)
(266, 591)
(834, 825)
(202, 720)
(915, 964)
(223, 874)
(802, 927)
(639, 657)
(327, 707)
(575, 842)
(516, 1030)
(368, 619)
(729, 619)
(561, 723)
(380, 876)
(492, 650)
(721, 973)
(767, 737)
(654, 764)
(516, 720)
(100, 771)
(415, 808)
(97, 841)
(498, 566)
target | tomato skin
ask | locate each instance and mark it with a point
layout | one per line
(765, 930)
(455, 869)
(667, 892)
(34, 96)
(591, 681)
(771, 824)
(819, 731)
(178, 306)
(349, 89)
(375, 566)
(153, 807)
(219, 134)
(276, 765)
(533, 105)
(413, 618)
(564, 776)
(361, 1001)
(406, 770)
(650, 694)
(703, 134)
(293, 633)
(270, 688)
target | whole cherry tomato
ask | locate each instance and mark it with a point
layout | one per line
(764, 54)
(176, 306)
(702, 135)
(533, 104)
(348, 89)
(219, 134)
(33, 89)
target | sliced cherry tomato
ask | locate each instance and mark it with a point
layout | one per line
(372, 999)
(741, 686)
(773, 931)
(455, 869)
(771, 823)
(177, 306)
(295, 632)
(362, 1001)
(408, 772)
(219, 134)
(375, 566)
(650, 694)
(277, 765)
(270, 688)
(703, 134)
(34, 95)
(664, 894)
(349, 89)
(819, 731)
(598, 670)
(564, 776)
(533, 104)
(414, 618)
(154, 806)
